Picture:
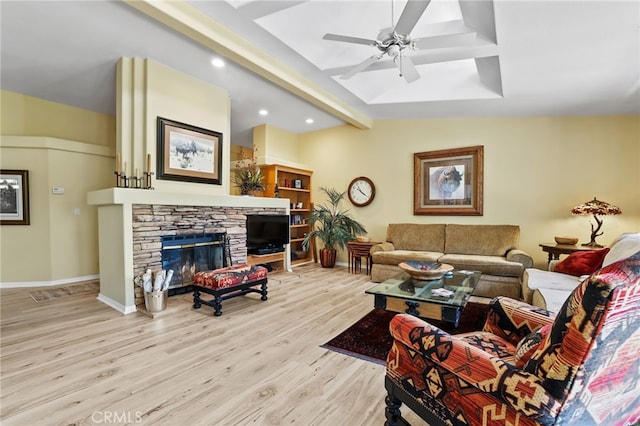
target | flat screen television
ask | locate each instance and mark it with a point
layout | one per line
(267, 233)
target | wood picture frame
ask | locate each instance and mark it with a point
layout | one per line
(449, 182)
(14, 197)
(188, 153)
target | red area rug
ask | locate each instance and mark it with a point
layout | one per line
(369, 337)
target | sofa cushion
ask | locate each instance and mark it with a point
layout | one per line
(489, 240)
(493, 265)
(622, 247)
(395, 257)
(416, 236)
(582, 262)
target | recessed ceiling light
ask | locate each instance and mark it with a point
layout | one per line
(263, 112)
(217, 62)
(309, 121)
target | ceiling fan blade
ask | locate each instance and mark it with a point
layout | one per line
(407, 69)
(443, 41)
(360, 67)
(410, 16)
(349, 39)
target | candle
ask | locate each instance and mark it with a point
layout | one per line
(136, 173)
(124, 168)
(118, 163)
(148, 163)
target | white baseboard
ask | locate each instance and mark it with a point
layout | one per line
(116, 305)
(29, 284)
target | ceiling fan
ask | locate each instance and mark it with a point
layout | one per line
(395, 40)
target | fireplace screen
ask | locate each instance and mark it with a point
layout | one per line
(187, 254)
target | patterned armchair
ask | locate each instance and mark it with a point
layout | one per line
(527, 366)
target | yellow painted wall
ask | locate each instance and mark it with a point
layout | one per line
(536, 170)
(275, 146)
(176, 96)
(23, 115)
(58, 245)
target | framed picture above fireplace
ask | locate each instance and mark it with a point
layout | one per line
(188, 153)
(14, 197)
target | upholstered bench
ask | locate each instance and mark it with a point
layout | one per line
(228, 282)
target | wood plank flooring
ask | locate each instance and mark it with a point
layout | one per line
(73, 360)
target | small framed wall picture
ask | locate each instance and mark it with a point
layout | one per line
(297, 183)
(14, 197)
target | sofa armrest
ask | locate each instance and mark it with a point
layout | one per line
(552, 265)
(386, 246)
(520, 390)
(520, 256)
(513, 319)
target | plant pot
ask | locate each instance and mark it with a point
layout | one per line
(327, 257)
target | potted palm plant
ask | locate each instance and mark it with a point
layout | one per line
(331, 225)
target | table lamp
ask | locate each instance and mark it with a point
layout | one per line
(596, 208)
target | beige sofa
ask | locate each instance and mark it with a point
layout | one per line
(491, 249)
(549, 289)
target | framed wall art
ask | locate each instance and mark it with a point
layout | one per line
(188, 153)
(448, 182)
(14, 197)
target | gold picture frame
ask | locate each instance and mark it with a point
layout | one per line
(188, 153)
(14, 197)
(449, 182)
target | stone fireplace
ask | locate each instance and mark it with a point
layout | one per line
(132, 223)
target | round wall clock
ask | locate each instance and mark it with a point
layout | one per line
(361, 191)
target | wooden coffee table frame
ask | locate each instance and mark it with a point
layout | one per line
(423, 308)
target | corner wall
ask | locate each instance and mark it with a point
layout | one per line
(60, 244)
(536, 170)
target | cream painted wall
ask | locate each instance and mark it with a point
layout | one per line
(275, 146)
(536, 170)
(173, 95)
(23, 115)
(57, 246)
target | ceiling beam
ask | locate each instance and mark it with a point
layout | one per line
(187, 20)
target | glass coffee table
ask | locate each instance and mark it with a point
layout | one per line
(441, 299)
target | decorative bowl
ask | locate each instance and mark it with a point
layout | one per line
(568, 241)
(425, 270)
(362, 239)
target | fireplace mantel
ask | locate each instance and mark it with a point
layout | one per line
(115, 225)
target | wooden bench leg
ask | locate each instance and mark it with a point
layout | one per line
(196, 299)
(217, 305)
(263, 290)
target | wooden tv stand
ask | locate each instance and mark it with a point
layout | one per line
(276, 260)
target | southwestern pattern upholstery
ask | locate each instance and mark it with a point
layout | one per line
(584, 370)
(228, 282)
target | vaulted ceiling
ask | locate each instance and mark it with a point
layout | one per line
(475, 58)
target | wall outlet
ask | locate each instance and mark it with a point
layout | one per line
(76, 212)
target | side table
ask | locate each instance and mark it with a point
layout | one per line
(555, 250)
(358, 250)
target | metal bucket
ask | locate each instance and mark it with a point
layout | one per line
(156, 301)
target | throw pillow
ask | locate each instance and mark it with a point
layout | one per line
(582, 262)
(529, 344)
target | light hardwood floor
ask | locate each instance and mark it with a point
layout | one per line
(74, 360)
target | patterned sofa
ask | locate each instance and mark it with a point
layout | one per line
(490, 249)
(528, 366)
